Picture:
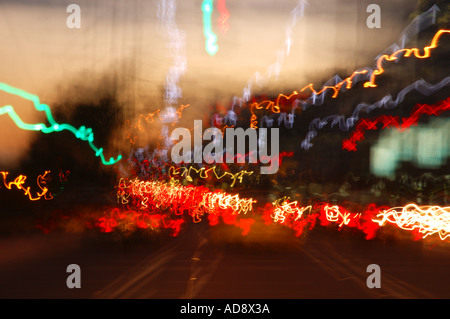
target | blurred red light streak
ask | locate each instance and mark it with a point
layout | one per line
(393, 121)
(162, 205)
(222, 21)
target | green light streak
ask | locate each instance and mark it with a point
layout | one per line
(82, 133)
(211, 38)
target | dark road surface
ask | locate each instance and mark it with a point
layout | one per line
(210, 264)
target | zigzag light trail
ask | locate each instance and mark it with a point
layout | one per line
(82, 133)
(406, 53)
(393, 121)
(380, 70)
(422, 221)
(419, 23)
(203, 173)
(386, 102)
(318, 97)
(151, 204)
(20, 180)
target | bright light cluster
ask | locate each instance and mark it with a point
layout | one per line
(426, 220)
(283, 209)
(148, 202)
(297, 217)
(423, 221)
(128, 219)
(154, 205)
(196, 200)
(336, 214)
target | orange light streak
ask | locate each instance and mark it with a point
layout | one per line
(20, 180)
(275, 107)
(336, 88)
(408, 53)
(149, 118)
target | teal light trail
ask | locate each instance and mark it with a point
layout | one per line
(211, 38)
(82, 133)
